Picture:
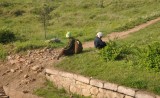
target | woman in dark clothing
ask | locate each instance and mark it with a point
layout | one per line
(74, 46)
(98, 43)
(69, 49)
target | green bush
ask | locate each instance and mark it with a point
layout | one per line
(6, 36)
(147, 57)
(152, 59)
(113, 51)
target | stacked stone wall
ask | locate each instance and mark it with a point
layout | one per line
(87, 86)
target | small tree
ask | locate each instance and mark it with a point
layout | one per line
(44, 17)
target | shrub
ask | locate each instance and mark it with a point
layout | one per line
(153, 56)
(113, 51)
(148, 57)
(6, 36)
(110, 52)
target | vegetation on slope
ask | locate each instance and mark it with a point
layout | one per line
(125, 71)
(50, 91)
(84, 18)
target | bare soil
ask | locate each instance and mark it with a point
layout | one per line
(25, 71)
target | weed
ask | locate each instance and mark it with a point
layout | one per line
(3, 52)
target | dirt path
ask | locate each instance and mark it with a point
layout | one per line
(26, 72)
(122, 34)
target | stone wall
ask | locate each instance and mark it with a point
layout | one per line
(91, 87)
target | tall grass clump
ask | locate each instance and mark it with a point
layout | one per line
(146, 57)
(149, 57)
(114, 51)
(6, 36)
(153, 56)
(3, 52)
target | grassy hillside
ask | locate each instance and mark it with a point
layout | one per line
(90, 63)
(83, 18)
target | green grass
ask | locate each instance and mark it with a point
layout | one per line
(28, 45)
(50, 91)
(121, 72)
(83, 18)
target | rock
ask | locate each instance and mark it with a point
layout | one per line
(13, 61)
(29, 53)
(45, 57)
(12, 70)
(25, 81)
(3, 74)
(20, 71)
(25, 91)
(32, 80)
(26, 76)
(35, 68)
(17, 68)
(21, 60)
(29, 62)
(55, 40)
(7, 71)
(9, 57)
(18, 57)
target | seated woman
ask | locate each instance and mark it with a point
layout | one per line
(98, 43)
(74, 46)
